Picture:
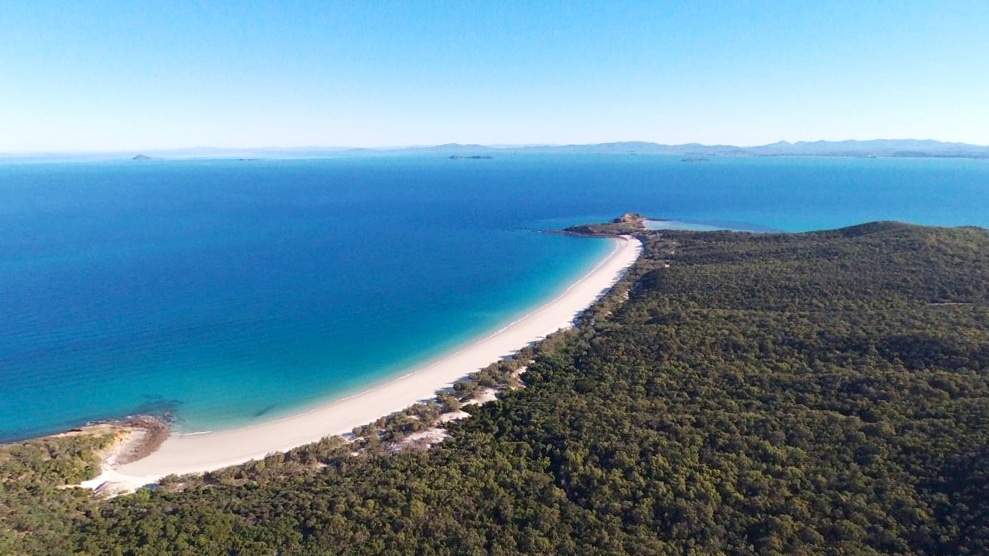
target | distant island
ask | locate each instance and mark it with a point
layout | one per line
(470, 157)
(142, 157)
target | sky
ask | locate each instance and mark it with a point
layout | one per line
(90, 76)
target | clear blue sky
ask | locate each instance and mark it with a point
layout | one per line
(97, 75)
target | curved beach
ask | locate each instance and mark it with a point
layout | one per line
(197, 453)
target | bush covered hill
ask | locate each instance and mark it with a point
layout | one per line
(756, 394)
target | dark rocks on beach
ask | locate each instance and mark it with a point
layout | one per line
(157, 431)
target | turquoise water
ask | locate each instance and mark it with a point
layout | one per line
(691, 226)
(226, 292)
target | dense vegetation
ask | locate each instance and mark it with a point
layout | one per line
(810, 393)
(629, 223)
(34, 512)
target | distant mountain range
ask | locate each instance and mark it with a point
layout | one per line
(873, 148)
(693, 152)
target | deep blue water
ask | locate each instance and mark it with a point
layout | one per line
(229, 291)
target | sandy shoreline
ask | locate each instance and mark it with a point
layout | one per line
(181, 454)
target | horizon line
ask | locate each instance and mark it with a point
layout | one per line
(493, 146)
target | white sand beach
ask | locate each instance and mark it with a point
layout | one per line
(195, 453)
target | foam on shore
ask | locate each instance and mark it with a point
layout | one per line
(181, 454)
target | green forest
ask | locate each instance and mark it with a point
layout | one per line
(738, 393)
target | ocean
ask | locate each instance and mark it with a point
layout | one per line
(224, 292)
